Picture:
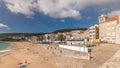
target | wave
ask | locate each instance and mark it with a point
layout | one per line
(4, 52)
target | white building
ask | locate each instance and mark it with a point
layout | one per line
(75, 34)
(107, 28)
(93, 33)
(118, 34)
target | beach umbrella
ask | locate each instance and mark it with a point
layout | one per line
(19, 63)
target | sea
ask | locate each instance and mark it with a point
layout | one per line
(4, 48)
(4, 45)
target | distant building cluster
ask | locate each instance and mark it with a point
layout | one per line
(107, 30)
(72, 37)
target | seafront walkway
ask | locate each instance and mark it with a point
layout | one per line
(113, 62)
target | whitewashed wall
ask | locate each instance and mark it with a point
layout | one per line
(76, 48)
(118, 34)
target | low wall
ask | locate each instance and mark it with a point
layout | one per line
(69, 53)
(75, 48)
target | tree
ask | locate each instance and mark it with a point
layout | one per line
(48, 38)
(61, 37)
(41, 38)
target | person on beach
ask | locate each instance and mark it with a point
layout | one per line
(28, 49)
(26, 62)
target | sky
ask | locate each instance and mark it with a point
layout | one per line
(35, 16)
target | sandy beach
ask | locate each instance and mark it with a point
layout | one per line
(37, 56)
(24, 51)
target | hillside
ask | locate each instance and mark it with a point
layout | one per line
(68, 30)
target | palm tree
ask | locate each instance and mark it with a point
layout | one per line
(41, 38)
(48, 38)
(61, 37)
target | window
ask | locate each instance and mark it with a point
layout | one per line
(113, 27)
(108, 38)
(113, 38)
(108, 34)
(113, 33)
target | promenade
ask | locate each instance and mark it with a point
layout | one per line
(113, 62)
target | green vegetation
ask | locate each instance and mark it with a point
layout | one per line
(61, 37)
(40, 38)
(68, 30)
(23, 36)
(17, 36)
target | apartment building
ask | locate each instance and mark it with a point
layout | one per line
(118, 34)
(107, 28)
(93, 32)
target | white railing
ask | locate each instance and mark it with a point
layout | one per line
(76, 48)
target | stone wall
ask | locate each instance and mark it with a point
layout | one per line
(69, 53)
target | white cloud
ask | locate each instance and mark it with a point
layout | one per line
(54, 8)
(89, 17)
(62, 20)
(21, 6)
(3, 25)
(58, 8)
(114, 13)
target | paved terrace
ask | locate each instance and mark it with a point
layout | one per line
(100, 54)
(113, 62)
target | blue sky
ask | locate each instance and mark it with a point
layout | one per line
(36, 16)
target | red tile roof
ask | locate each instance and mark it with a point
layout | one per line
(112, 18)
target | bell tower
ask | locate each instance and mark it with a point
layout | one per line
(102, 18)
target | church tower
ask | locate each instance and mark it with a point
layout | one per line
(102, 18)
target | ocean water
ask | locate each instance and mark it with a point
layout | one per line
(4, 45)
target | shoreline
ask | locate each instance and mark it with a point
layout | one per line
(4, 53)
(7, 50)
(35, 56)
(39, 57)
